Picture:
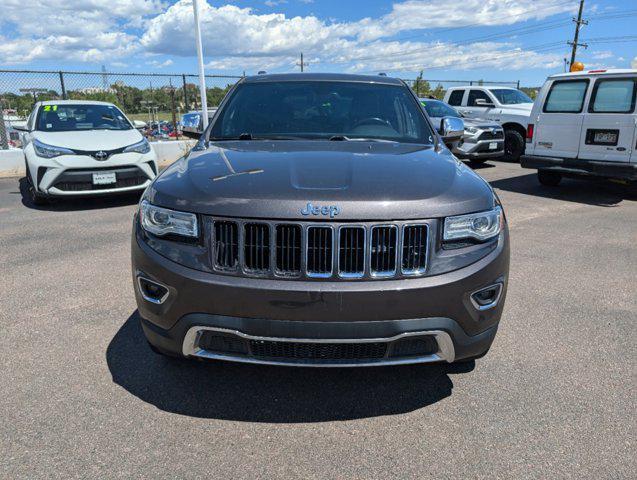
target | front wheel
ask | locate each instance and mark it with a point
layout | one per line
(513, 145)
(548, 178)
(35, 197)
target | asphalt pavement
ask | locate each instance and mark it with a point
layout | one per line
(82, 396)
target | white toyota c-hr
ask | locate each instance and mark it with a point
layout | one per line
(84, 148)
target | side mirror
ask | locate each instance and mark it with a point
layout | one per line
(451, 129)
(481, 102)
(138, 124)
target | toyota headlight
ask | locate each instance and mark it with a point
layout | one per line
(163, 221)
(479, 226)
(49, 151)
(139, 147)
(471, 130)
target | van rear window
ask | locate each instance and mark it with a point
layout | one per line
(616, 95)
(566, 96)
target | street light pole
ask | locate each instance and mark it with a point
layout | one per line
(202, 77)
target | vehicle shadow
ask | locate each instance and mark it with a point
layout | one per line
(75, 204)
(254, 393)
(479, 165)
(601, 193)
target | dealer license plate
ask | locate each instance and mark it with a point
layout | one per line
(605, 137)
(493, 146)
(104, 178)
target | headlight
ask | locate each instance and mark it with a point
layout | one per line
(480, 226)
(139, 147)
(49, 151)
(471, 130)
(162, 221)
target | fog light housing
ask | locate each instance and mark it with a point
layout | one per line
(487, 297)
(152, 292)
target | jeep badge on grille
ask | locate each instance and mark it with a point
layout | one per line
(331, 210)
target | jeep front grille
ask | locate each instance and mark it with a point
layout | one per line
(338, 251)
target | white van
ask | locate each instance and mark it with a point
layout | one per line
(584, 123)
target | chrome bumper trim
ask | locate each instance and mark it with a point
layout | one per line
(446, 352)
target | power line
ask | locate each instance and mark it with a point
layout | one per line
(480, 24)
(518, 31)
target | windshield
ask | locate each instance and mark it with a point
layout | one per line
(322, 110)
(438, 109)
(510, 97)
(74, 117)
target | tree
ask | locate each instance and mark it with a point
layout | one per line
(530, 91)
(421, 86)
(438, 92)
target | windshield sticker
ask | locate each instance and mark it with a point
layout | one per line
(49, 125)
(48, 108)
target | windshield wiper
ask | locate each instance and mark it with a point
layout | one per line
(345, 138)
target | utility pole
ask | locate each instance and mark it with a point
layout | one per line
(302, 64)
(578, 23)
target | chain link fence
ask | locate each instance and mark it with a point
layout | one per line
(155, 98)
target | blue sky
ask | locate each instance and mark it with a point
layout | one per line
(457, 39)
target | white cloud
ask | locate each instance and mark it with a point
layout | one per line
(238, 38)
(602, 55)
(81, 30)
(426, 14)
(158, 64)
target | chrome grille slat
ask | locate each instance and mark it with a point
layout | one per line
(257, 247)
(351, 252)
(288, 249)
(383, 250)
(414, 249)
(345, 251)
(226, 245)
(319, 257)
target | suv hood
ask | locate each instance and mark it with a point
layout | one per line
(90, 140)
(364, 180)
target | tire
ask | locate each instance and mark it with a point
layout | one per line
(514, 145)
(548, 178)
(35, 197)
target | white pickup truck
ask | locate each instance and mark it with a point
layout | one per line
(507, 106)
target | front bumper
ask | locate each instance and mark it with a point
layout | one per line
(576, 167)
(479, 149)
(308, 312)
(72, 175)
